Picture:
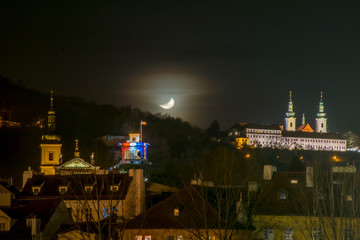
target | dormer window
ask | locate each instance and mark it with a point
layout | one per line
(88, 189)
(35, 190)
(114, 188)
(176, 212)
(62, 189)
(177, 209)
(283, 194)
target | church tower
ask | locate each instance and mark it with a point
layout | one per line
(290, 120)
(321, 120)
(50, 144)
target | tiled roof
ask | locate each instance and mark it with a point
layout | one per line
(76, 186)
(299, 134)
(26, 209)
(271, 204)
(193, 210)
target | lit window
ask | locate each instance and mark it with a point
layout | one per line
(51, 156)
(35, 190)
(316, 234)
(176, 212)
(88, 189)
(179, 237)
(105, 212)
(114, 188)
(211, 237)
(288, 233)
(138, 237)
(293, 181)
(147, 237)
(282, 195)
(62, 190)
(349, 198)
(269, 233)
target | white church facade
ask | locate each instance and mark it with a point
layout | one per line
(290, 136)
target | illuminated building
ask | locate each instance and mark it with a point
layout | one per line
(134, 150)
(5, 120)
(302, 137)
(50, 144)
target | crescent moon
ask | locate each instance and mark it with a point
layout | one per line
(169, 104)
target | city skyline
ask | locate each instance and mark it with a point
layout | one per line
(233, 62)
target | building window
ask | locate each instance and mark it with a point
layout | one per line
(269, 233)
(179, 237)
(171, 238)
(114, 188)
(147, 237)
(35, 190)
(211, 237)
(349, 198)
(138, 237)
(62, 190)
(316, 234)
(282, 195)
(176, 212)
(288, 233)
(105, 213)
(51, 156)
(293, 181)
(88, 189)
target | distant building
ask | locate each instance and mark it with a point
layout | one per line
(292, 137)
(183, 215)
(6, 121)
(134, 150)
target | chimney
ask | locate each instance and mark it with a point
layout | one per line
(139, 188)
(269, 171)
(309, 177)
(26, 175)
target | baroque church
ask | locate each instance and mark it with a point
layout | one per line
(290, 136)
(51, 158)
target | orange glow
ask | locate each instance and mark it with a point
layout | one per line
(336, 159)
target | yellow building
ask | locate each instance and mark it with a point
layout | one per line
(50, 144)
(241, 142)
(292, 205)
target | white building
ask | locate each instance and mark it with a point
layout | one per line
(292, 137)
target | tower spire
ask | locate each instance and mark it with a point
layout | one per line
(290, 112)
(303, 119)
(321, 120)
(77, 152)
(290, 120)
(51, 114)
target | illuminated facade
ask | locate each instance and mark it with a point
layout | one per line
(134, 150)
(302, 137)
(50, 144)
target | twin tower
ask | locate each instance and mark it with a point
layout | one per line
(321, 120)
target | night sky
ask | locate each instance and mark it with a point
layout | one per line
(230, 61)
